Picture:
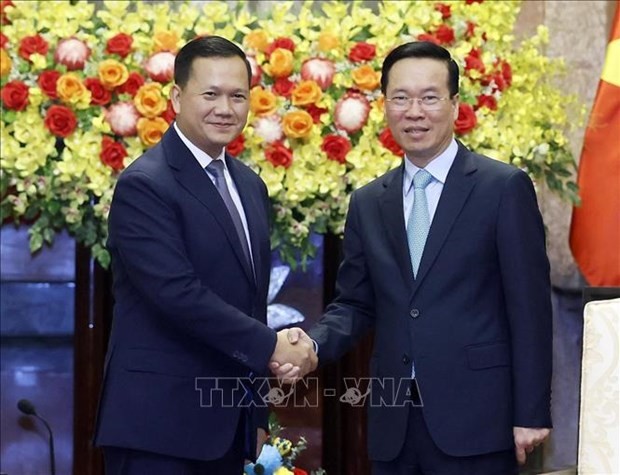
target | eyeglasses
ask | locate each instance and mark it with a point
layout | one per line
(427, 103)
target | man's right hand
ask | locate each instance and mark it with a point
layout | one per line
(294, 355)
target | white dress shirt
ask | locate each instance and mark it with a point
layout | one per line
(204, 160)
(438, 168)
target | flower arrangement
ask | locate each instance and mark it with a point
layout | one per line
(84, 92)
(278, 454)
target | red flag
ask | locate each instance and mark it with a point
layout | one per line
(595, 226)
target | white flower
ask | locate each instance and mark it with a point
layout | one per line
(268, 128)
(123, 118)
(72, 53)
(320, 71)
(351, 112)
(160, 66)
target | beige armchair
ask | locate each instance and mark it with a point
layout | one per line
(599, 423)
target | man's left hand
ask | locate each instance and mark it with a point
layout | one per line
(527, 439)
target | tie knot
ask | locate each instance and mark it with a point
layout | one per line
(216, 168)
(421, 179)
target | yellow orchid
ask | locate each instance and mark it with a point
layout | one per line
(294, 105)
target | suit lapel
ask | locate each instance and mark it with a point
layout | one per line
(459, 184)
(254, 214)
(196, 181)
(391, 208)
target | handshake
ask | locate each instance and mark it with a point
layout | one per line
(294, 356)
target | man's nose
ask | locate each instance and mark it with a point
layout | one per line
(415, 108)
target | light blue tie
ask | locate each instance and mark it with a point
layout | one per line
(419, 221)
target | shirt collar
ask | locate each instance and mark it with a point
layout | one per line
(204, 159)
(438, 167)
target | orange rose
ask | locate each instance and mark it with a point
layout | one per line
(262, 102)
(150, 131)
(328, 42)
(112, 73)
(71, 89)
(297, 124)
(306, 93)
(5, 63)
(165, 41)
(366, 78)
(257, 40)
(149, 100)
(280, 63)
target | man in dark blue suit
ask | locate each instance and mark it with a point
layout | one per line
(444, 258)
(189, 240)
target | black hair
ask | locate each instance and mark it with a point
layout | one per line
(205, 47)
(421, 49)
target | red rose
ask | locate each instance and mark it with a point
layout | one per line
(466, 120)
(284, 43)
(362, 51)
(15, 95)
(278, 155)
(315, 112)
(100, 96)
(471, 28)
(131, 86)
(60, 121)
(428, 37)
(169, 115)
(283, 87)
(32, 44)
(444, 34)
(500, 83)
(336, 147)
(112, 153)
(486, 101)
(3, 4)
(444, 10)
(299, 471)
(387, 140)
(3, 40)
(469, 2)
(506, 71)
(473, 60)
(119, 44)
(47, 82)
(237, 146)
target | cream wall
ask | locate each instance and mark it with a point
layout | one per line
(578, 32)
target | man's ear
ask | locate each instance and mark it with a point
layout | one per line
(455, 104)
(175, 98)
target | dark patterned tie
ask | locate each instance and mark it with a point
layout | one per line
(216, 170)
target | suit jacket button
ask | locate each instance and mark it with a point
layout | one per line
(406, 359)
(415, 313)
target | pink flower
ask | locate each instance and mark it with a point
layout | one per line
(160, 66)
(351, 112)
(257, 72)
(123, 118)
(72, 53)
(320, 71)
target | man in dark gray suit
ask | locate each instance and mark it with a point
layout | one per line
(189, 239)
(444, 258)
